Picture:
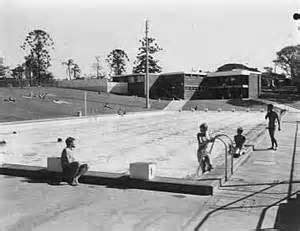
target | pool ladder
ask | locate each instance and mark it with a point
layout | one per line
(228, 148)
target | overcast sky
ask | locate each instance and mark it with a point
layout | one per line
(195, 34)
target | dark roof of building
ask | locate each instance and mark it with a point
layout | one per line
(232, 66)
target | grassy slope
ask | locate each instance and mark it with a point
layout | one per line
(36, 108)
(290, 99)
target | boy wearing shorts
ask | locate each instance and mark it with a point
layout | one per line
(239, 140)
(203, 154)
(273, 117)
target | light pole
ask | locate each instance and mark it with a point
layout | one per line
(296, 16)
(147, 69)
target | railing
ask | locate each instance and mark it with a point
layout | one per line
(227, 148)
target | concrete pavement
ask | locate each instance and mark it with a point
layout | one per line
(251, 199)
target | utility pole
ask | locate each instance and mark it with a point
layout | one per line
(147, 69)
(296, 72)
(97, 65)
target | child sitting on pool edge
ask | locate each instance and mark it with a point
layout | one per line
(72, 169)
(239, 140)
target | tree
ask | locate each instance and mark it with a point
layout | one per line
(117, 59)
(76, 71)
(98, 67)
(100, 70)
(285, 60)
(268, 69)
(69, 63)
(30, 68)
(3, 70)
(140, 63)
(18, 71)
(38, 44)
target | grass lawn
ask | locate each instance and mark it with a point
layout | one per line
(290, 99)
(61, 102)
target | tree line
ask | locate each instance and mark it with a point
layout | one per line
(38, 45)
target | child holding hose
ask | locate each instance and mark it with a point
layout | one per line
(202, 153)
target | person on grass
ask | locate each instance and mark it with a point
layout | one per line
(72, 169)
(273, 117)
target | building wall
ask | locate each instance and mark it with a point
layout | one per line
(136, 89)
(179, 85)
(117, 88)
(136, 85)
(169, 86)
(94, 85)
(254, 86)
(192, 85)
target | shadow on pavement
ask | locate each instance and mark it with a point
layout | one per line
(227, 206)
(245, 102)
(261, 149)
(285, 213)
(53, 182)
(288, 215)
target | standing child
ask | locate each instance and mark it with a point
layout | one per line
(272, 116)
(202, 153)
(239, 140)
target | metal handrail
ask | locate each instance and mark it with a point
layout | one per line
(226, 154)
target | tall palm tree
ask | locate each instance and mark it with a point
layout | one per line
(69, 63)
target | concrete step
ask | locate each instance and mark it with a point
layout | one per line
(175, 105)
(114, 180)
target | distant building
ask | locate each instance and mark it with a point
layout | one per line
(178, 85)
(233, 84)
(183, 85)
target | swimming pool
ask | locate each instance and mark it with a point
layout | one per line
(110, 143)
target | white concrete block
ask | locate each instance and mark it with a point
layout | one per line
(54, 164)
(142, 170)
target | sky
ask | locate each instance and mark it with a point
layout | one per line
(194, 34)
